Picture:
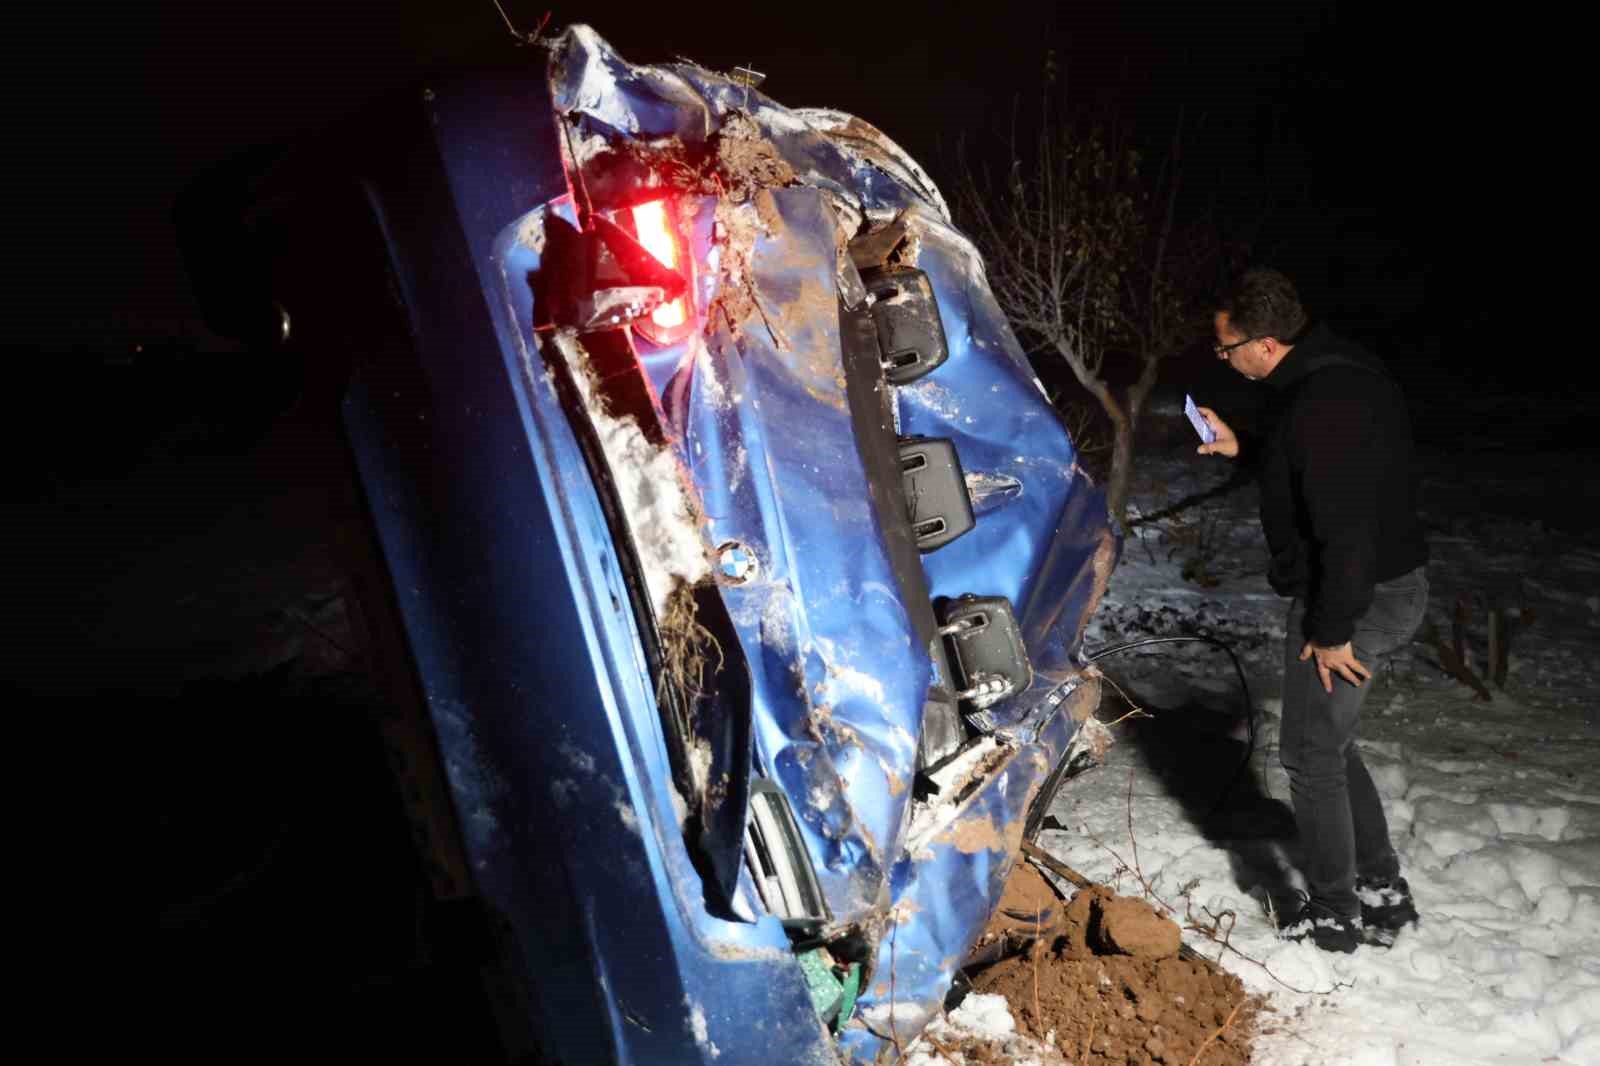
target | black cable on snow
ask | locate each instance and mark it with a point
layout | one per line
(1249, 706)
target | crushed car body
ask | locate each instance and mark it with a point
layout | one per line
(741, 559)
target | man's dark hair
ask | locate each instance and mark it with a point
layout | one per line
(1263, 303)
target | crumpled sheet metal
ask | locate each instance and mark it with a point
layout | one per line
(1034, 548)
(944, 893)
(722, 973)
(839, 684)
(517, 616)
(759, 409)
(615, 100)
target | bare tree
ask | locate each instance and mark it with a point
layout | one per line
(1087, 259)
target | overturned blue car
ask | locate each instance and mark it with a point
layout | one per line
(738, 562)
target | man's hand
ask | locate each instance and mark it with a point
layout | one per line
(1226, 443)
(1341, 660)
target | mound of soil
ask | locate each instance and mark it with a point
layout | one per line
(1120, 925)
(1103, 975)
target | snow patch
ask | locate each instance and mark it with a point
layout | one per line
(933, 397)
(698, 1027)
(652, 485)
(680, 809)
(630, 820)
(700, 764)
(711, 387)
(777, 621)
(1490, 804)
(985, 1015)
(987, 1018)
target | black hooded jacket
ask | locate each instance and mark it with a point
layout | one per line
(1337, 500)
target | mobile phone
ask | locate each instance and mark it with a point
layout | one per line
(1198, 421)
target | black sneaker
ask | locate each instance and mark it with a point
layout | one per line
(1386, 908)
(1324, 927)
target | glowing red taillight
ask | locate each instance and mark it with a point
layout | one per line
(656, 232)
(653, 224)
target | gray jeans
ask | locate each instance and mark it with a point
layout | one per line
(1343, 830)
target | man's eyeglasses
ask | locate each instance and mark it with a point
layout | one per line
(1224, 349)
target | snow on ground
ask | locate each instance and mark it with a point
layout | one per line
(987, 1018)
(1494, 807)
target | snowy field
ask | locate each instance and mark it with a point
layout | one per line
(1494, 807)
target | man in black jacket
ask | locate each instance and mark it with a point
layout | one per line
(1334, 461)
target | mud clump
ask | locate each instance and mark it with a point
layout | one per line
(1100, 922)
(746, 159)
(738, 226)
(1027, 902)
(1104, 977)
(1132, 927)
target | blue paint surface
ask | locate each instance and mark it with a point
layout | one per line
(514, 590)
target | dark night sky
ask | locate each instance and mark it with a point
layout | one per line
(1360, 126)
